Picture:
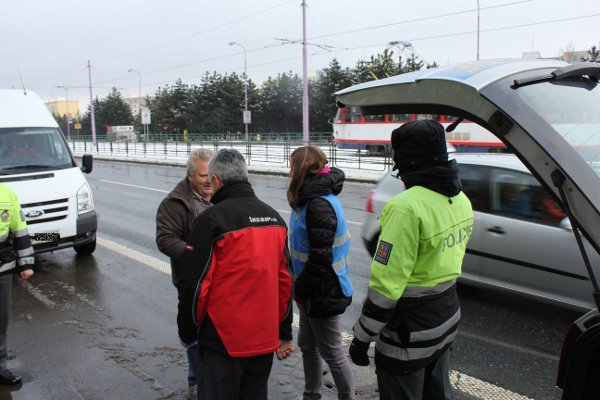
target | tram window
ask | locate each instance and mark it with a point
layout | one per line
(352, 114)
(449, 118)
(433, 117)
(399, 117)
(375, 118)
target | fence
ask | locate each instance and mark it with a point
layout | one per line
(260, 149)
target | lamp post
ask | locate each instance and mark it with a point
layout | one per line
(68, 117)
(245, 87)
(477, 29)
(139, 93)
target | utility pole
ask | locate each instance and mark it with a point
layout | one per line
(477, 29)
(92, 116)
(305, 135)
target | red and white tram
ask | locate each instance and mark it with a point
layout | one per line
(353, 130)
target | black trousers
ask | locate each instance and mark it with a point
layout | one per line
(221, 377)
(429, 383)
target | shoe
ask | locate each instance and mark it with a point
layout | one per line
(192, 392)
(9, 378)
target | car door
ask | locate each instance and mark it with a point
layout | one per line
(524, 246)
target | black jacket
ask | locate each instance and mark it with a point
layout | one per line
(318, 281)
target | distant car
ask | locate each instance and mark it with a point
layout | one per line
(547, 112)
(521, 242)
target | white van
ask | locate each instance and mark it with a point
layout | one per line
(36, 162)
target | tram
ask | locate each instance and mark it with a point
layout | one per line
(353, 130)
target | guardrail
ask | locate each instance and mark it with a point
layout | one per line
(264, 149)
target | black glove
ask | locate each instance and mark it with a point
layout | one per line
(358, 352)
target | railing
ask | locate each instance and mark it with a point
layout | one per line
(260, 149)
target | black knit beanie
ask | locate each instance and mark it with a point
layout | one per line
(419, 144)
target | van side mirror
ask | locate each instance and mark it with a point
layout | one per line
(87, 163)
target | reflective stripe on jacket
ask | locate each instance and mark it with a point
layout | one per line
(412, 308)
(13, 231)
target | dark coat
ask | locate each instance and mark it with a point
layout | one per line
(174, 219)
(318, 281)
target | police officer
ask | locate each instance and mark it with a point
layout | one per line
(16, 254)
(412, 309)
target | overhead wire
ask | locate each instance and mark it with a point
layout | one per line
(429, 18)
(338, 50)
(194, 34)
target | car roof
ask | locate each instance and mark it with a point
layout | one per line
(23, 109)
(499, 160)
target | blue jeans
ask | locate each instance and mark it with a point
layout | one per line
(192, 356)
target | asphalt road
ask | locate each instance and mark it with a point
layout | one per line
(103, 327)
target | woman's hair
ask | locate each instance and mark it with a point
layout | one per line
(304, 161)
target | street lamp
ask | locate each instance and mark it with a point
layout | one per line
(139, 93)
(477, 29)
(68, 117)
(245, 87)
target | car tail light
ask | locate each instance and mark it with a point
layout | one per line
(369, 206)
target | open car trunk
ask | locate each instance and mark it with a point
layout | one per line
(548, 113)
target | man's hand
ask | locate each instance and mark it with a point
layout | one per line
(186, 345)
(358, 352)
(286, 347)
(26, 274)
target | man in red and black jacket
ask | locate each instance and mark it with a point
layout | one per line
(242, 301)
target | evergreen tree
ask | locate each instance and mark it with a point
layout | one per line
(170, 109)
(279, 104)
(111, 111)
(593, 55)
(322, 103)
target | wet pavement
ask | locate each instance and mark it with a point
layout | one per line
(287, 378)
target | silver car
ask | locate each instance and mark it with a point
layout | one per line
(521, 242)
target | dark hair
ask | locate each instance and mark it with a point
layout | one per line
(304, 161)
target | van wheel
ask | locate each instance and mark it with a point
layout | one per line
(85, 249)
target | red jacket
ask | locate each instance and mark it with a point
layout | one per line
(243, 296)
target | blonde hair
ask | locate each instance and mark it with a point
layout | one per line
(304, 161)
(197, 155)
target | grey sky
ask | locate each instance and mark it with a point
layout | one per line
(51, 41)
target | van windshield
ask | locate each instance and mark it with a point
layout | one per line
(572, 107)
(25, 150)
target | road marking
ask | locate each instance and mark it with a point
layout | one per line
(481, 389)
(510, 346)
(36, 292)
(145, 259)
(462, 382)
(166, 191)
(134, 186)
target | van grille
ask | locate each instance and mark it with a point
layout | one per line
(52, 210)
